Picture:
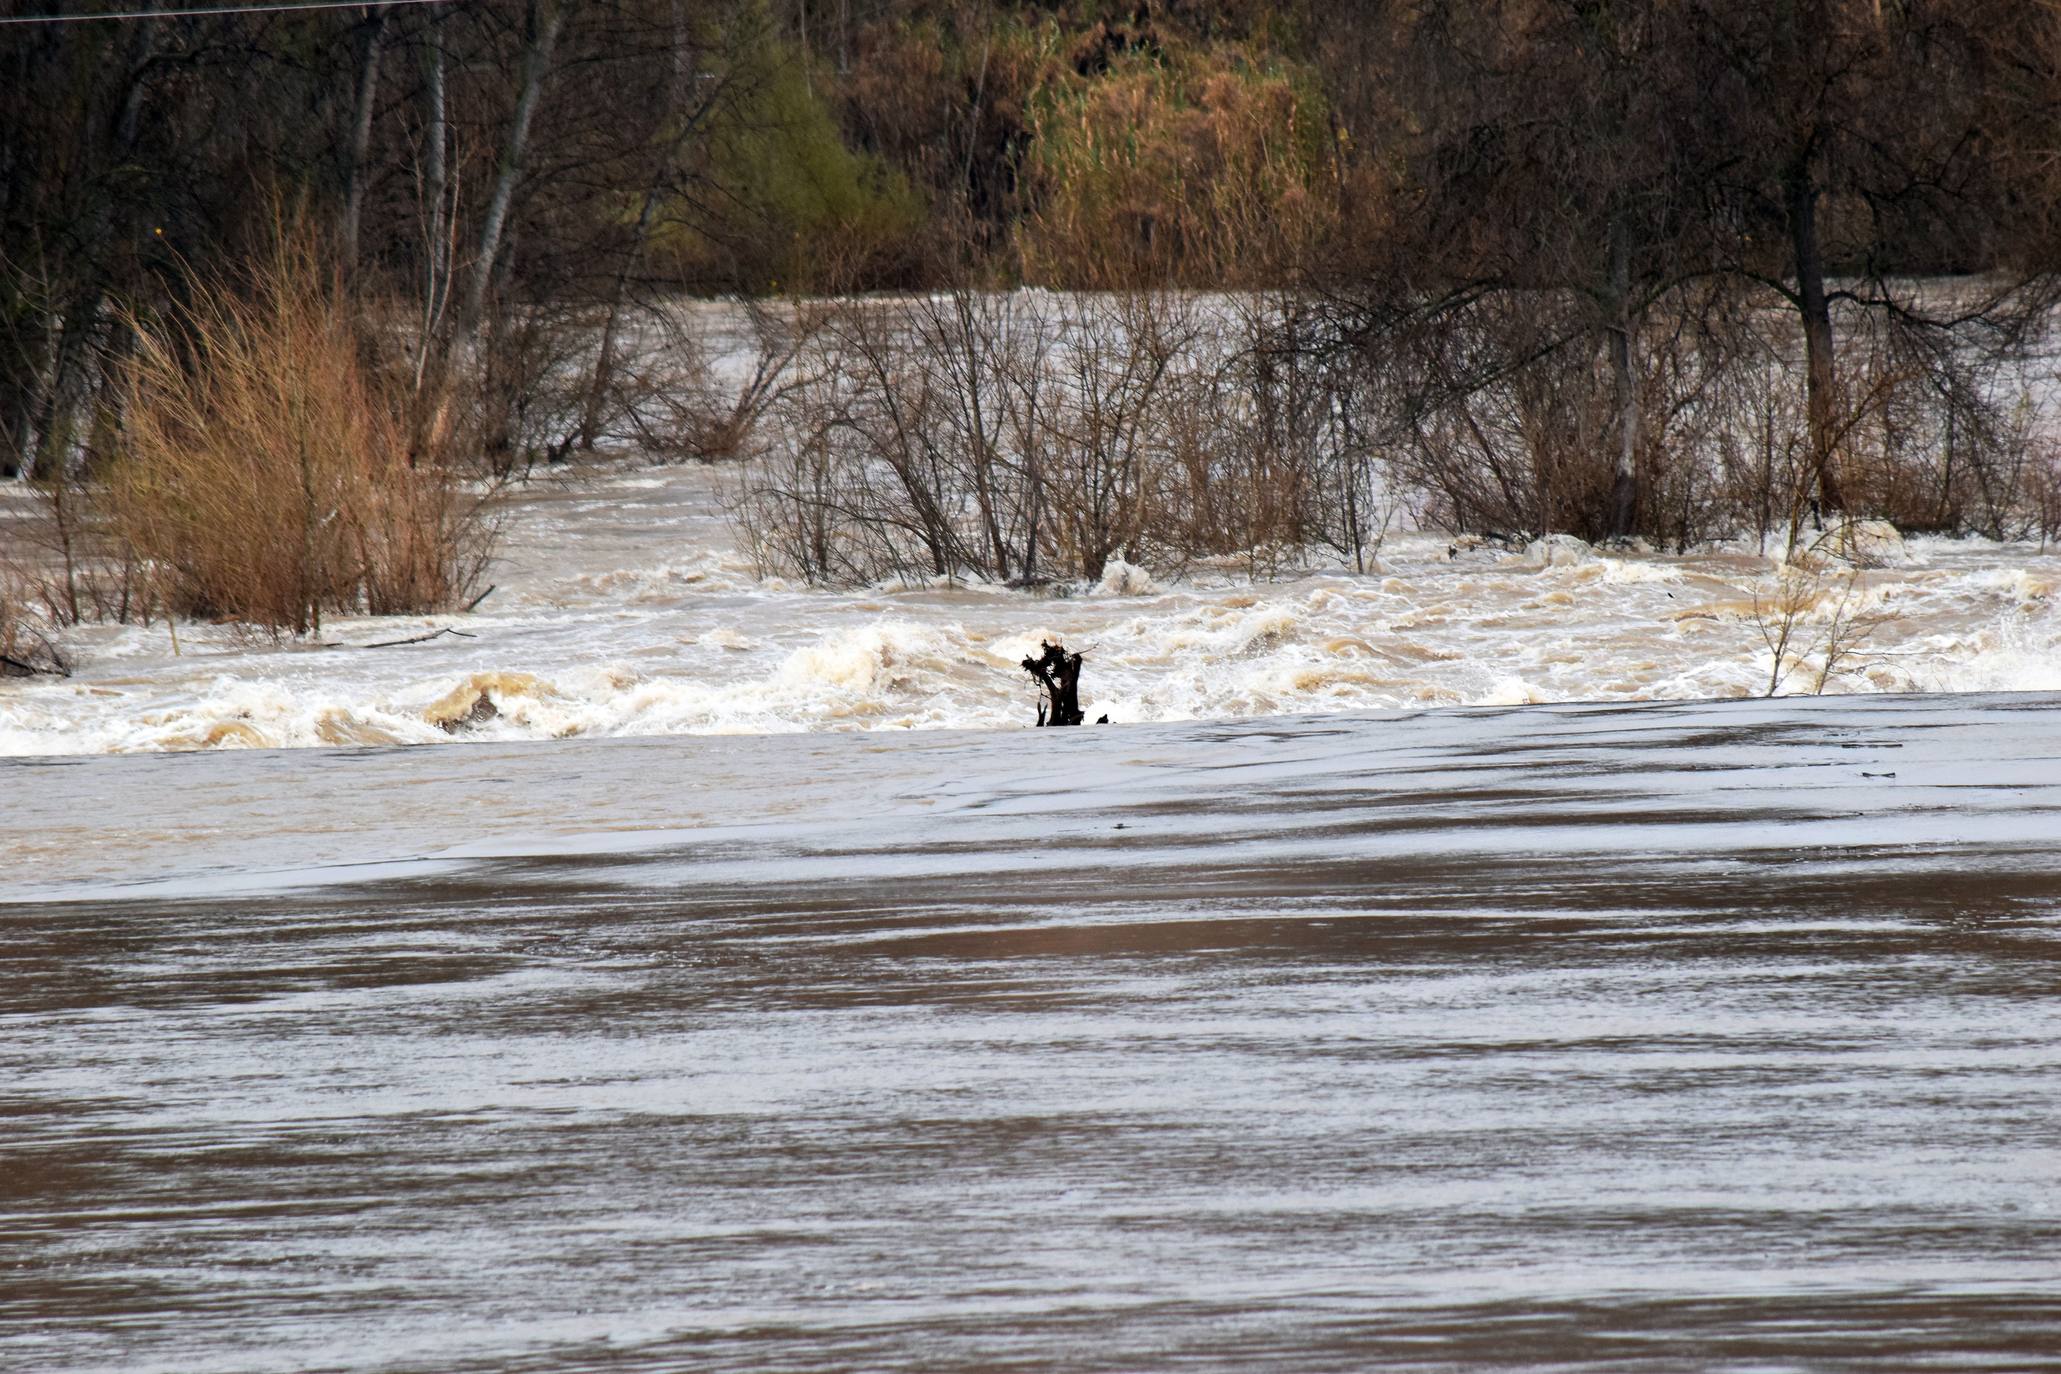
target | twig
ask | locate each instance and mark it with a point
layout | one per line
(474, 603)
(419, 639)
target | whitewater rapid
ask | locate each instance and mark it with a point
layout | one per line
(622, 607)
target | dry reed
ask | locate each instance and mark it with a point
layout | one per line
(265, 466)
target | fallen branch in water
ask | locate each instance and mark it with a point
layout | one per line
(55, 668)
(420, 639)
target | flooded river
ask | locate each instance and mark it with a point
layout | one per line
(1634, 1036)
(622, 606)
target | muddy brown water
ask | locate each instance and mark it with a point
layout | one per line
(1631, 1038)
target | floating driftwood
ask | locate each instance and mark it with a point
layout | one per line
(480, 712)
(421, 639)
(1058, 675)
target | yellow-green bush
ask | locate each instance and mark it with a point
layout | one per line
(794, 208)
(1196, 166)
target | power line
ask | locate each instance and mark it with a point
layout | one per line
(215, 9)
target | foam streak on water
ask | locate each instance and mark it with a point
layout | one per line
(1634, 1037)
(623, 609)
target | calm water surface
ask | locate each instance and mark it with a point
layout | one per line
(1711, 1036)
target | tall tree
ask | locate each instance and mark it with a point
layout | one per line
(1547, 193)
(1858, 145)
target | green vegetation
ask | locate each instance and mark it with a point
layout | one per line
(800, 209)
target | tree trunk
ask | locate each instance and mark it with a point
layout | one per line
(678, 93)
(611, 328)
(436, 137)
(540, 30)
(80, 326)
(18, 384)
(1624, 487)
(361, 135)
(439, 257)
(1820, 375)
(969, 341)
(1058, 674)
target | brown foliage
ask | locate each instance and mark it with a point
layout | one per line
(265, 467)
(1205, 172)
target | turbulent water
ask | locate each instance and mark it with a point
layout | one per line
(622, 607)
(698, 1014)
(1647, 1037)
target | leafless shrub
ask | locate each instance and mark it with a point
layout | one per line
(1118, 369)
(66, 562)
(267, 471)
(909, 442)
(2043, 492)
(1013, 437)
(1278, 456)
(803, 509)
(1816, 610)
(1498, 425)
(679, 396)
(1505, 419)
(1952, 443)
(527, 394)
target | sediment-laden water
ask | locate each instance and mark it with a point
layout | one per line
(622, 607)
(1710, 1035)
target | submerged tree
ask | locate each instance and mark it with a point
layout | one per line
(1858, 186)
(1058, 675)
(1856, 146)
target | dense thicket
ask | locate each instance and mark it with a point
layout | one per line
(1615, 267)
(1625, 217)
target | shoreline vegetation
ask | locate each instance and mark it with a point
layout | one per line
(1018, 292)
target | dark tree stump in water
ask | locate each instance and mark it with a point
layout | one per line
(1058, 673)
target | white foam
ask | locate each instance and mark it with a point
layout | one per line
(1559, 551)
(612, 620)
(2013, 655)
(1124, 579)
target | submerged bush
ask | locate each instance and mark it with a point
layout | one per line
(26, 647)
(1022, 437)
(266, 468)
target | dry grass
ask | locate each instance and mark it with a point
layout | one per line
(265, 466)
(1203, 169)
